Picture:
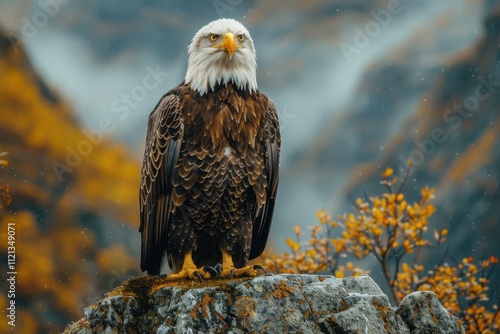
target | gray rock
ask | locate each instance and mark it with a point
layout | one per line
(423, 313)
(265, 304)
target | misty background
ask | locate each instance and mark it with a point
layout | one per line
(93, 53)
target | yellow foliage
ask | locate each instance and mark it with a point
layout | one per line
(106, 179)
(48, 265)
(389, 228)
(56, 257)
(4, 188)
(387, 173)
(114, 257)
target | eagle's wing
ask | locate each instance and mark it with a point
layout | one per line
(262, 216)
(163, 141)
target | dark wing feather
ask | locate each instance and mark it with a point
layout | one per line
(163, 141)
(262, 216)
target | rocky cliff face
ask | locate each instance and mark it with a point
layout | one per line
(266, 304)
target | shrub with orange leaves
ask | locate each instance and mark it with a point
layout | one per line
(390, 228)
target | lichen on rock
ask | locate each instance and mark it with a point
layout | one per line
(265, 304)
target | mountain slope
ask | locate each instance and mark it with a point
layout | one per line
(72, 190)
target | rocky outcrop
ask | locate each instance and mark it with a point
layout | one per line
(266, 304)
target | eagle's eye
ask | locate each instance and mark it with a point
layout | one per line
(241, 38)
(213, 37)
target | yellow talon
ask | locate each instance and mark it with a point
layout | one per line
(229, 271)
(189, 271)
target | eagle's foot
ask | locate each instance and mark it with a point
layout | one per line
(190, 274)
(189, 271)
(260, 267)
(231, 272)
(248, 271)
(214, 271)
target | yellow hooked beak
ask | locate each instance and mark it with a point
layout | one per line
(228, 44)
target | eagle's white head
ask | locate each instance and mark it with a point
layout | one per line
(221, 52)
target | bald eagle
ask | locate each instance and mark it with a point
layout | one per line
(211, 163)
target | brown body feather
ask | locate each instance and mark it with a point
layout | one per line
(209, 177)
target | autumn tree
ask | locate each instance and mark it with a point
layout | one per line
(395, 231)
